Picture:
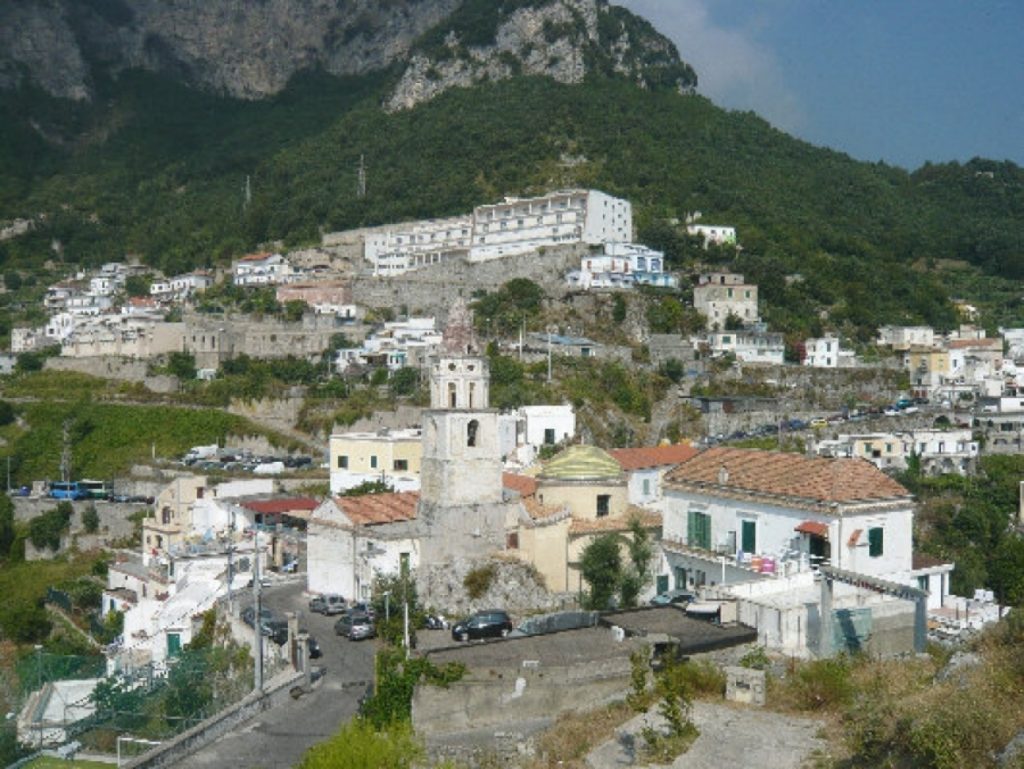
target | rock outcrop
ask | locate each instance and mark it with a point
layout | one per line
(251, 49)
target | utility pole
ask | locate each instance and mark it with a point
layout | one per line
(361, 178)
(257, 614)
(231, 564)
(246, 193)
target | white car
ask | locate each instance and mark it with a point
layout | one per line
(891, 412)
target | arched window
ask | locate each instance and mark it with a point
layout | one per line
(471, 430)
(472, 389)
(451, 395)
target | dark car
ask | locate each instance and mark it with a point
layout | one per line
(355, 626)
(314, 648)
(492, 623)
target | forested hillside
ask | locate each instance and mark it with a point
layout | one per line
(155, 169)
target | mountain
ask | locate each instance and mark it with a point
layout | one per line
(252, 49)
(154, 161)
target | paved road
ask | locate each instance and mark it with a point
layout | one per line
(277, 738)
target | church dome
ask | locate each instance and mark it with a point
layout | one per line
(582, 463)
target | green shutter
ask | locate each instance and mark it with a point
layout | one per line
(173, 644)
(875, 542)
(749, 539)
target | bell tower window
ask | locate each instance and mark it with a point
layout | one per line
(451, 395)
(471, 431)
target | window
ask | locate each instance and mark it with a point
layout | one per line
(373, 461)
(343, 462)
(451, 395)
(922, 582)
(401, 464)
(647, 486)
(876, 542)
(603, 505)
(471, 431)
(698, 530)
(549, 436)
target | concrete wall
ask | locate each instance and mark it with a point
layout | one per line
(502, 697)
(115, 367)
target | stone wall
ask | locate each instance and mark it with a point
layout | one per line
(115, 367)
(431, 291)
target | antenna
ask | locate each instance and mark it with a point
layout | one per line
(361, 178)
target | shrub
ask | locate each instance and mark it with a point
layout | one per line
(756, 659)
(821, 684)
(90, 519)
(702, 677)
(479, 580)
(358, 745)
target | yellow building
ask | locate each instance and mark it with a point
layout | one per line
(581, 493)
(928, 366)
(392, 456)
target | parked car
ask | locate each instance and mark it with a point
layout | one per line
(670, 597)
(492, 623)
(363, 607)
(328, 604)
(355, 626)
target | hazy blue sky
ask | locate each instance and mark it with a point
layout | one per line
(902, 81)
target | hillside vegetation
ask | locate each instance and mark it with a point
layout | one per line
(158, 170)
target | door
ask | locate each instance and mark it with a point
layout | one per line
(680, 574)
(173, 644)
(661, 584)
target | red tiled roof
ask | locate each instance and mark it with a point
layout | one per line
(653, 456)
(813, 527)
(284, 505)
(779, 474)
(962, 344)
(523, 485)
(372, 509)
(606, 524)
(255, 257)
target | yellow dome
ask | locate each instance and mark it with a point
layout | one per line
(582, 463)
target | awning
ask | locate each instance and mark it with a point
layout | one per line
(814, 528)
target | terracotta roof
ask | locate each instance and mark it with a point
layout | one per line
(606, 524)
(282, 505)
(962, 344)
(255, 257)
(653, 456)
(779, 474)
(813, 527)
(541, 512)
(373, 509)
(523, 485)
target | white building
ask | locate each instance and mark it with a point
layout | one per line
(526, 430)
(719, 295)
(622, 265)
(520, 225)
(749, 345)
(351, 540)
(60, 327)
(905, 337)
(262, 270)
(713, 234)
(645, 470)
(743, 517)
(398, 248)
(827, 352)
(397, 345)
(940, 452)
(191, 283)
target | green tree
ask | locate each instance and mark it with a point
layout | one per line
(294, 309)
(601, 568)
(12, 280)
(90, 519)
(619, 308)
(138, 285)
(404, 381)
(7, 531)
(182, 365)
(638, 573)
(360, 745)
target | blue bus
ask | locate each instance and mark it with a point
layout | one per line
(67, 490)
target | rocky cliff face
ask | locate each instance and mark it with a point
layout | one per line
(250, 48)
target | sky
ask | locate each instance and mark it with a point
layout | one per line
(902, 81)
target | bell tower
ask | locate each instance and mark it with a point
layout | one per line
(461, 454)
